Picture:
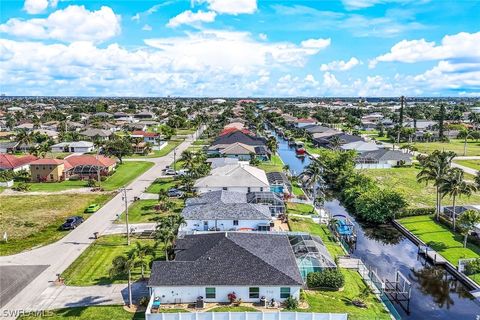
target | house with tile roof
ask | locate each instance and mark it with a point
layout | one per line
(49, 170)
(214, 265)
(13, 163)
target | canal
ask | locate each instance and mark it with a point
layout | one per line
(436, 294)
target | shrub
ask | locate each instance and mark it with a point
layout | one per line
(409, 212)
(472, 267)
(328, 278)
(143, 301)
(74, 177)
(22, 186)
(290, 303)
(379, 206)
(91, 183)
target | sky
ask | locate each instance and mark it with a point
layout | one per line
(239, 48)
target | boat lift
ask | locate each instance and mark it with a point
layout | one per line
(344, 230)
(399, 291)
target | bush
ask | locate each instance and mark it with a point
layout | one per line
(22, 186)
(472, 267)
(409, 212)
(290, 303)
(144, 301)
(379, 206)
(74, 177)
(328, 278)
(91, 183)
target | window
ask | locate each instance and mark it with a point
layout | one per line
(210, 293)
(254, 292)
(235, 222)
(261, 189)
(225, 188)
(284, 293)
(248, 189)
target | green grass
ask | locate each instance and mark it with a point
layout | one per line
(274, 164)
(320, 230)
(299, 208)
(233, 309)
(93, 265)
(161, 184)
(89, 313)
(185, 132)
(126, 173)
(32, 221)
(55, 186)
(440, 238)
(297, 191)
(172, 144)
(474, 164)
(340, 301)
(202, 142)
(417, 195)
(144, 211)
(455, 145)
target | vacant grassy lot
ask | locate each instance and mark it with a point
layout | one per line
(202, 142)
(440, 238)
(32, 221)
(455, 145)
(320, 230)
(93, 265)
(274, 164)
(161, 184)
(404, 180)
(144, 211)
(474, 164)
(299, 208)
(172, 144)
(341, 301)
(126, 173)
(89, 313)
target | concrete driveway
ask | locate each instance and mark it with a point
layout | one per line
(59, 255)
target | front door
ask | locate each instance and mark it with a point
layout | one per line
(205, 225)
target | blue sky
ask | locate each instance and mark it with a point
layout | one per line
(240, 48)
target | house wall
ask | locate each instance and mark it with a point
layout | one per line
(81, 149)
(240, 157)
(186, 294)
(223, 225)
(48, 173)
(238, 189)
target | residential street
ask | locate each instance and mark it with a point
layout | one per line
(59, 255)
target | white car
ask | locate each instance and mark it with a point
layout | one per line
(170, 172)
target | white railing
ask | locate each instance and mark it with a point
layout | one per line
(246, 316)
(372, 166)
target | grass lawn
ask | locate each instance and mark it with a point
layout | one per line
(320, 230)
(455, 145)
(340, 301)
(440, 238)
(274, 164)
(202, 142)
(32, 221)
(144, 211)
(93, 265)
(89, 313)
(126, 173)
(233, 309)
(55, 186)
(185, 132)
(161, 184)
(172, 144)
(474, 164)
(297, 191)
(404, 180)
(299, 208)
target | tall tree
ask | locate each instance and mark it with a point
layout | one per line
(123, 266)
(441, 119)
(467, 221)
(454, 185)
(141, 255)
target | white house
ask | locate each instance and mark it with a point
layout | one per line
(75, 146)
(236, 177)
(211, 266)
(382, 159)
(225, 211)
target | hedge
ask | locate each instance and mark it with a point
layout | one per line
(328, 278)
(409, 212)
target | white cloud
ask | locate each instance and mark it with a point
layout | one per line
(191, 18)
(73, 23)
(136, 17)
(147, 28)
(262, 36)
(340, 65)
(233, 7)
(35, 6)
(330, 81)
(316, 43)
(362, 4)
(459, 46)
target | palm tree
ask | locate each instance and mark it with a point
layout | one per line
(434, 169)
(272, 144)
(455, 186)
(121, 266)
(23, 137)
(166, 235)
(313, 177)
(336, 142)
(467, 221)
(140, 254)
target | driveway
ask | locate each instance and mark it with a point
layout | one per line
(59, 255)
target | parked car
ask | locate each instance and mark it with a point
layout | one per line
(72, 222)
(170, 172)
(175, 193)
(182, 172)
(92, 208)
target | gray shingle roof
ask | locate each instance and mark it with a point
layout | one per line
(227, 211)
(221, 196)
(385, 155)
(229, 258)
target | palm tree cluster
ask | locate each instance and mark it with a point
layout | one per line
(436, 168)
(312, 179)
(166, 231)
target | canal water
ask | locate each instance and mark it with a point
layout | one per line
(435, 293)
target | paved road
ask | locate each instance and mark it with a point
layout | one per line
(59, 255)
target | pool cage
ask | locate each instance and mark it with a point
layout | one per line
(273, 201)
(310, 253)
(87, 170)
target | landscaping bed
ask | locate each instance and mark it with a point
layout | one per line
(93, 265)
(32, 221)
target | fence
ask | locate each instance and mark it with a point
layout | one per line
(372, 166)
(246, 316)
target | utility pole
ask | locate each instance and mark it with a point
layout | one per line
(174, 159)
(126, 214)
